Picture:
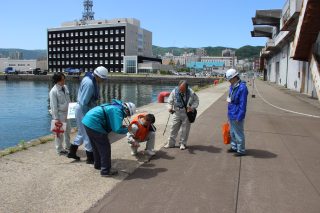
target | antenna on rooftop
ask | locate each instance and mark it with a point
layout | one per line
(88, 14)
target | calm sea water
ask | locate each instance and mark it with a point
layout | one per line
(24, 105)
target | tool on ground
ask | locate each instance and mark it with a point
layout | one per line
(253, 95)
(168, 121)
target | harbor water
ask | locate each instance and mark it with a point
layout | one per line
(24, 105)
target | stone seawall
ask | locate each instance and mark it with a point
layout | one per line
(119, 79)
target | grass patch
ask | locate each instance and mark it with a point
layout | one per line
(24, 146)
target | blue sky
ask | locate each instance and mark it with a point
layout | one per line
(181, 23)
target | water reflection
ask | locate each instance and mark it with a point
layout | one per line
(24, 105)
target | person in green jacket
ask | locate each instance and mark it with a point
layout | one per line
(99, 122)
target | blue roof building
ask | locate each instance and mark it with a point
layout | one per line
(202, 65)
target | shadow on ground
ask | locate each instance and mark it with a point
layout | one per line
(257, 153)
(193, 149)
(146, 171)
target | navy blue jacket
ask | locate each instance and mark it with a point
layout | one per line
(238, 106)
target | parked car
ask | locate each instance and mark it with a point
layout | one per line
(38, 71)
(10, 70)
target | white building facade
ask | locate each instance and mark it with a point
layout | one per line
(278, 59)
(17, 65)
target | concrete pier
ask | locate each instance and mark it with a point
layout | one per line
(281, 172)
(38, 180)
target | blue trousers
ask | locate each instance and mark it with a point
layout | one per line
(237, 136)
(81, 136)
(101, 150)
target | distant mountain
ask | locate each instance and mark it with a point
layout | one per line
(248, 52)
(27, 54)
(241, 53)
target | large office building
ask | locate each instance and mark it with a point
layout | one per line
(86, 45)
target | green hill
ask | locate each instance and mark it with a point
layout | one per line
(27, 54)
(241, 53)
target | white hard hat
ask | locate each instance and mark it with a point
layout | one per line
(131, 107)
(231, 73)
(101, 72)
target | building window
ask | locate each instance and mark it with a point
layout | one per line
(106, 55)
(122, 46)
(122, 38)
(122, 31)
(106, 32)
(117, 47)
(111, 31)
(106, 40)
(117, 39)
(101, 32)
(106, 61)
(111, 54)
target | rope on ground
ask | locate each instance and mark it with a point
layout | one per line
(286, 110)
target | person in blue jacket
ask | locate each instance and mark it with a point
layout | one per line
(237, 107)
(88, 96)
(99, 122)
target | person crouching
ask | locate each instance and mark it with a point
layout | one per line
(99, 122)
(141, 129)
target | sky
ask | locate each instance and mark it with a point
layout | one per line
(179, 23)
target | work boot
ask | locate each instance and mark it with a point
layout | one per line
(73, 152)
(90, 159)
